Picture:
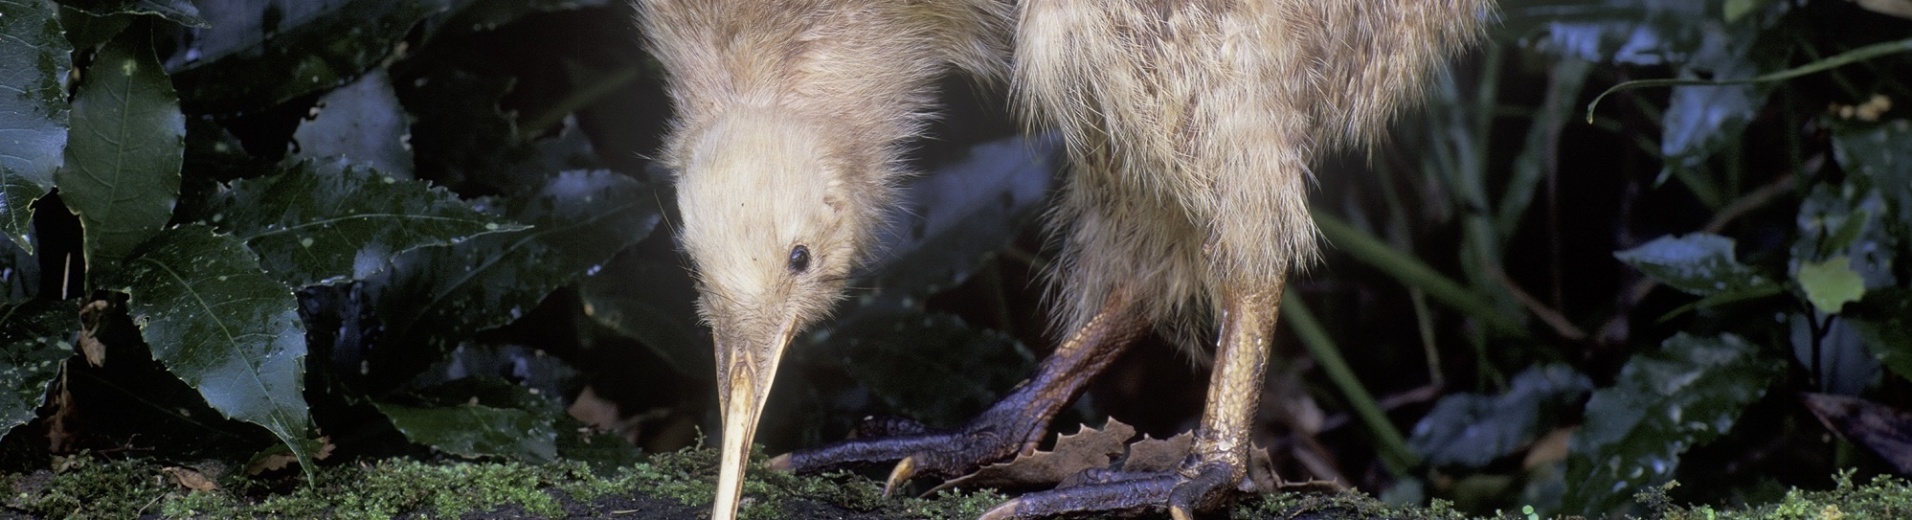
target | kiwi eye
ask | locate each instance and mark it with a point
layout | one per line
(799, 259)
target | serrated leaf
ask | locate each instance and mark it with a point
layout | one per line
(33, 115)
(579, 220)
(320, 222)
(222, 325)
(1087, 448)
(1702, 264)
(1664, 402)
(128, 141)
(1472, 430)
(361, 122)
(260, 53)
(471, 430)
(177, 11)
(1831, 283)
(38, 335)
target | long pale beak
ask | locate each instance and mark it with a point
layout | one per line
(744, 374)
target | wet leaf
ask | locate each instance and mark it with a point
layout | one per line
(122, 162)
(646, 293)
(279, 457)
(579, 220)
(361, 123)
(86, 30)
(216, 320)
(1701, 120)
(472, 430)
(38, 335)
(1472, 430)
(1831, 284)
(935, 368)
(1702, 264)
(958, 215)
(264, 52)
(1879, 156)
(329, 221)
(177, 11)
(1884, 430)
(1087, 448)
(1847, 219)
(1664, 402)
(484, 15)
(33, 113)
(1884, 322)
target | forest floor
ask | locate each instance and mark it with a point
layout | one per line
(674, 486)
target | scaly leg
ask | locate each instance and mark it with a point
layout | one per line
(1218, 458)
(1013, 425)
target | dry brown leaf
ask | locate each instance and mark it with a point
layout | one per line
(1157, 454)
(189, 478)
(1883, 429)
(92, 317)
(1088, 448)
(62, 414)
(1549, 449)
(279, 460)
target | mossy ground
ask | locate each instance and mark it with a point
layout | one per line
(677, 485)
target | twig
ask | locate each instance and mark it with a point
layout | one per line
(1561, 325)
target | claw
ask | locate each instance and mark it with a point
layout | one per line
(778, 463)
(1003, 511)
(905, 469)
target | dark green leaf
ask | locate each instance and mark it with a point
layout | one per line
(33, 113)
(1879, 156)
(216, 320)
(935, 368)
(960, 213)
(1884, 322)
(484, 15)
(1703, 119)
(579, 220)
(1702, 264)
(646, 293)
(38, 335)
(86, 30)
(363, 123)
(260, 53)
(177, 11)
(122, 163)
(329, 221)
(1471, 430)
(1848, 219)
(471, 430)
(1664, 402)
(19, 272)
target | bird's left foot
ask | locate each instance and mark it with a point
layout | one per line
(1203, 484)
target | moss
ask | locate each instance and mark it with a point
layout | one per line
(85, 487)
(89, 487)
(1881, 498)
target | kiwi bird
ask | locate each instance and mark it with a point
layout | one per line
(1191, 126)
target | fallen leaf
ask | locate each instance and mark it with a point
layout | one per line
(1549, 449)
(1884, 430)
(61, 414)
(280, 457)
(1088, 448)
(1157, 454)
(189, 478)
(1899, 8)
(92, 317)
